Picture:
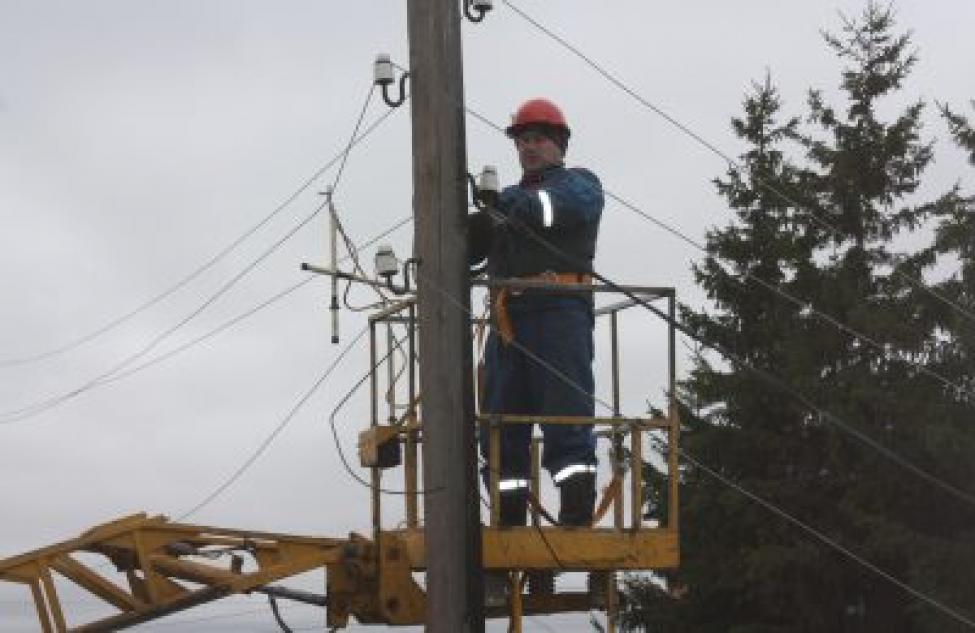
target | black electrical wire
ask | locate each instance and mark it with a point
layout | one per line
(954, 613)
(893, 456)
(266, 442)
(227, 324)
(16, 415)
(36, 408)
(732, 163)
(825, 415)
(273, 602)
(796, 301)
(208, 335)
(352, 138)
(349, 246)
(957, 615)
(338, 444)
(835, 420)
(231, 322)
(207, 265)
(747, 276)
(767, 376)
(535, 524)
(195, 621)
(353, 254)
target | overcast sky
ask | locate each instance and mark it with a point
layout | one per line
(138, 139)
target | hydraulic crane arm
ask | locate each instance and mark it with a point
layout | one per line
(167, 567)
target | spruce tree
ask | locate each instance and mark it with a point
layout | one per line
(735, 567)
(822, 234)
(868, 169)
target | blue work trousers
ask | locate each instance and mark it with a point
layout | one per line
(557, 381)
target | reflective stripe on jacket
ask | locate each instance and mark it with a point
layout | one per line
(561, 205)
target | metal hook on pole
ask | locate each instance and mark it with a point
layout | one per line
(475, 10)
(384, 77)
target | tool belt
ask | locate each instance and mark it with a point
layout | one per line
(500, 298)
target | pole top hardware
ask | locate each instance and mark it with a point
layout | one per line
(475, 10)
(384, 75)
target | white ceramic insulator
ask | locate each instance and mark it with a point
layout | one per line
(489, 179)
(383, 70)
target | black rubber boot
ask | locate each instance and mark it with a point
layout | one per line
(514, 509)
(578, 495)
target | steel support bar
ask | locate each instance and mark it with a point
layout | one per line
(647, 292)
(95, 584)
(339, 274)
(576, 549)
(640, 423)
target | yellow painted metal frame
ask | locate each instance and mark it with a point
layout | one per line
(151, 551)
(371, 579)
(628, 545)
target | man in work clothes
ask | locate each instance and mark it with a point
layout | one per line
(538, 359)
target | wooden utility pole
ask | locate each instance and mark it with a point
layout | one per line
(455, 598)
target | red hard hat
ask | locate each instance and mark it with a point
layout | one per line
(537, 112)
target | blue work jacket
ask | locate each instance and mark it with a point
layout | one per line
(547, 222)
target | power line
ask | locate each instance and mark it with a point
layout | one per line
(839, 324)
(732, 163)
(209, 618)
(207, 265)
(244, 315)
(765, 375)
(219, 329)
(335, 434)
(953, 613)
(36, 408)
(352, 137)
(801, 303)
(262, 447)
(891, 455)
(748, 276)
(266, 442)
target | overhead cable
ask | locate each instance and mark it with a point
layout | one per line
(263, 446)
(28, 411)
(285, 421)
(845, 551)
(745, 276)
(204, 337)
(767, 376)
(207, 265)
(933, 602)
(335, 434)
(796, 301)
(22, 413)
(244, 315)
(732, 163)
